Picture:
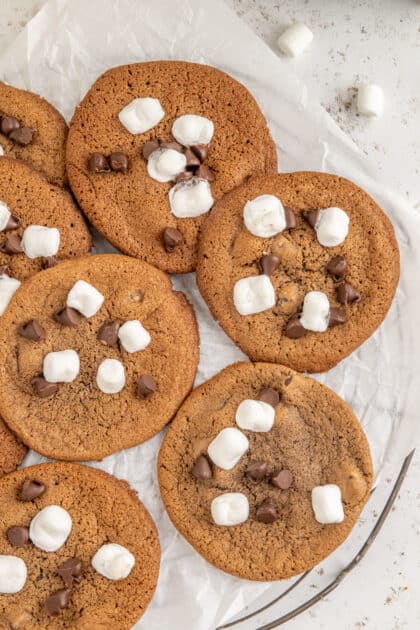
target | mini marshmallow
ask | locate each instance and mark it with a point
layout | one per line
(85, 298)
(370, 100)
(327, 504)
(141, 115)
(332, 226)
(8, 287)
(231, 508)
(191, 198)
(133, 336)
(164, 165)
(61, 367)
(38, 240)
(13, 574)
(295, 39)
(264, 216)
(255, 415)
(5, 214)
(316, 311)
(1, 150)
(227, 448)
(110, 377)
(253, 294)
(50, 528)
(191, 129)
(113, 561)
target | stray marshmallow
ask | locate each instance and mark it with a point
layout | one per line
(295, 39)
(332, 226)
(5, 214)
(316, 311)
(85, 298)
(141, 114)
(227, 448)
(133, 336)
(8, 287)
(13, 574)
(1, 150)
(327, 504)
(113, 561)
(191, 129)
(50, 528)
(370, 100)
(164, 165)
(253, 294)
(191, 198)
(38, 240)
(110, 377)
(264, 216)
(255, 415)
(231, 508)
(61, 367)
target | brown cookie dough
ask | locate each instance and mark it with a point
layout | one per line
(35, 201)
(103, 510)
(130, 208)
(315, 440)
(77, 421)
(12, 451)
(229, 252)
(45, 150)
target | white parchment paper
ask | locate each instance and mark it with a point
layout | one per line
(59, 54)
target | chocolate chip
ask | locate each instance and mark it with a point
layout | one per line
(22, 136)
(337, 267)
(56, 602)
(267, 512)
(290, 218)
(146, 385)
(311, 216)
(270, 396)
(32, 330)
(171, 238)
(18, 536)
(204, 172)
(268, 263)
(200, 150)
(346, 294)
(256, 471)
(43, 388)
(149, 147)
(183, 177)
(175, 146)
(192, 160)
(337, 316)
(68, 317)
(108, 333)
(288, 380)
(12, 245)
(98, 163)
(12, 223)
(282, 479)
(70, 571)
(118, 162)
(49, 261)
(294, 329)
(31, 489)
(8, 124)
(201, 469)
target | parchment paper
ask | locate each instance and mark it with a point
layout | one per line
(59, 54)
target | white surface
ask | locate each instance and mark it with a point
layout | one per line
(354, 41)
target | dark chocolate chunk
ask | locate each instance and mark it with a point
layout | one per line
(49, 261)
(267, 512)
(201, 469)
(282, 479)
(256, 471)
(98, 163)
(270, 396)
(56, 602)
(12, 223)
(23, 135)
(146, 385)
(32, 330)
(171, 238)
(294, 329)
(192, 160)
(337, 267)
(268, 263)
(118, 162)
(346, 294)
(12, 245)
(43, 388)
(18, 536)
(108, 333)
(149, 147)
(70, 571)
(31, 489)
(290, 218)
(68, 317)
(311, 216)
(200, 150)
(337, 316)
(8, 124)
(204, 172)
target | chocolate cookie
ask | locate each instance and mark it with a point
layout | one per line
(299, 269)
(96, 355)
(264, 471)
(150, 148)
(31, 129)
(77, 550)
(12, 451)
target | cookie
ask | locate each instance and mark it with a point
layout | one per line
(12, 451)
(32, 130)
(97, 355)
(264, 471)
(299, 268)
(83, 550)
(150, 148)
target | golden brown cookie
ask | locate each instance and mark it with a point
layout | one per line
(315, 441)
(357, 277)
(128, 206)
(76, 420)
(32, 130)
(102, 510)
(12, 451)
